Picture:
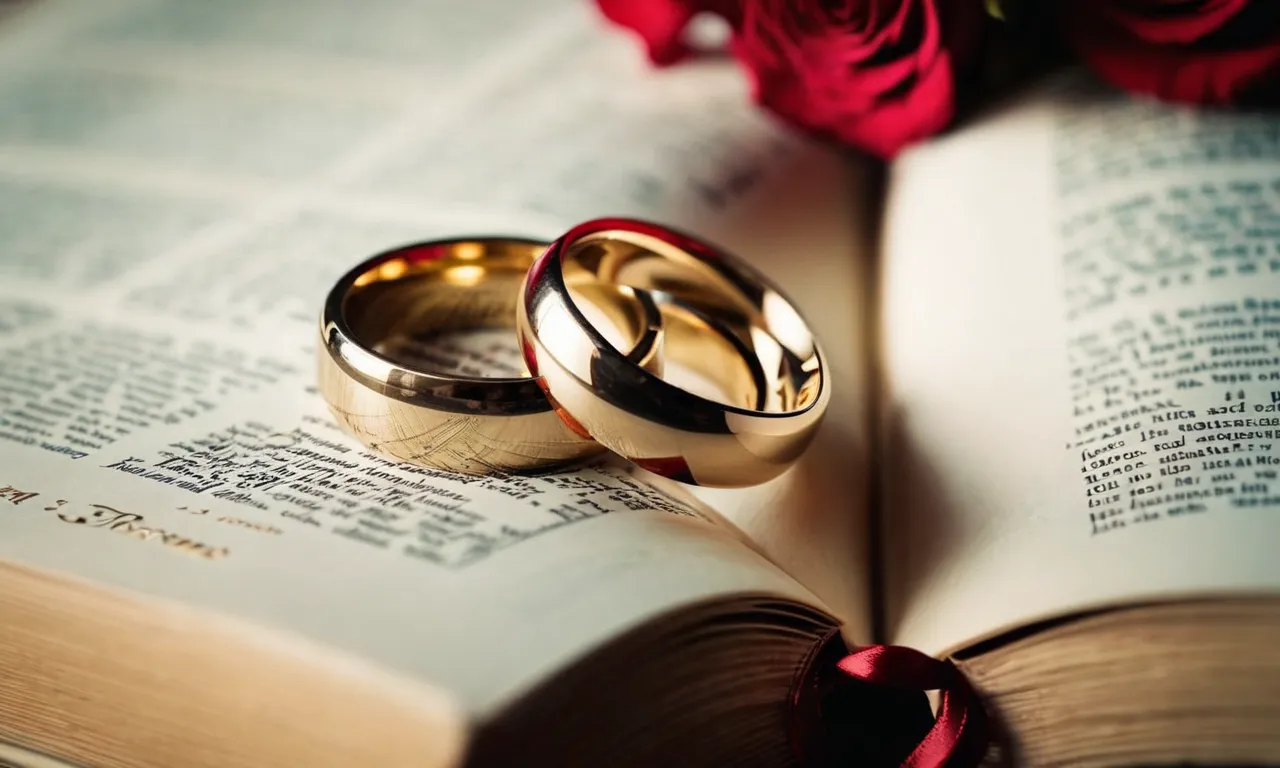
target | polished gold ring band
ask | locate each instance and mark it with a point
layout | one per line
(464, 424)
(721, 319)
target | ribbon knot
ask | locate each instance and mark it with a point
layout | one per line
(893, 679)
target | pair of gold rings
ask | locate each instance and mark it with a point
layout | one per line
(601, 313)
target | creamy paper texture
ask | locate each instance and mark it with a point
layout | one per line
(1083, 359)
(179, 185)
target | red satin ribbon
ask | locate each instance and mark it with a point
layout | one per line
(958, 736)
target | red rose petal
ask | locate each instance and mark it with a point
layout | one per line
(1216, 77)
(1162, 21)
(659, 23)
(876, 75)
(1115, 47)
(926, 109)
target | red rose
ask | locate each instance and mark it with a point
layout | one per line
(876, 74)
(1202, 51)
(661, 23)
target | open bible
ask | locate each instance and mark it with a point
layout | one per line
(1051, 454)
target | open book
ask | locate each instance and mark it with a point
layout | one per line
(1051, 452)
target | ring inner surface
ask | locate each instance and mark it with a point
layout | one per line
(724, 371)
(459, 287)
(722, 322)
(402, 304)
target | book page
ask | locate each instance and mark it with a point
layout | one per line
(1082, 335)
(180, 183)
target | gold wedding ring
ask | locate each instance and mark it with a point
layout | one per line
(721, 318)
(464, 424)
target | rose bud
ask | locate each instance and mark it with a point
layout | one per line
(875, 74)
(1201, 51)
